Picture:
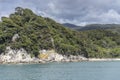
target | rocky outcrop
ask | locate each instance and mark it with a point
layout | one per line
(15, 56)
(51, 55)
(21, 56)
(16, 36)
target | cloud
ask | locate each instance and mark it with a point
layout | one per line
(53, 8)
(111, 16)
(79, 12)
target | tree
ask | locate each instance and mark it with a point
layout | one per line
(19, 10)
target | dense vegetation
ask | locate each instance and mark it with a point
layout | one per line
(37, 33)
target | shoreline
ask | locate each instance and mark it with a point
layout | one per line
(51, 61)
(103, 59)
(46, 56)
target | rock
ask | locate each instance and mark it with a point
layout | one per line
(21, 56)
(15, 56)
(16, 36)
(50, 55)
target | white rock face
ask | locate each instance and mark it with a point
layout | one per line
(55, 57)
(50, 55)
(16, 36)
(11, 55)
(21, 56)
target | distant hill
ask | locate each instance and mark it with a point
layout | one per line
(92, 26)
(99, 26)
(72, 26)
(24, 29)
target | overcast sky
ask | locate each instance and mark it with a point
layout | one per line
(78, 12)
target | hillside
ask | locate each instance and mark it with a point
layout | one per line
(24, 29)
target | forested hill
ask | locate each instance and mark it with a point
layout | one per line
(93, 27)
(99, 26)
(35, 33)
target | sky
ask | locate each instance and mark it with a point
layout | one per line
(79, 12)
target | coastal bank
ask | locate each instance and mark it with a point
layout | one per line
(45, 56)
(21, 56)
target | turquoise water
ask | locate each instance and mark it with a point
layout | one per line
(61, 71)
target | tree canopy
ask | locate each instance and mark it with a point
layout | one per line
(37, 33)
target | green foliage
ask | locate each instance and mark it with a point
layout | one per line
(37, 33)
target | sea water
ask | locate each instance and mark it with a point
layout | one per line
(61, 71)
